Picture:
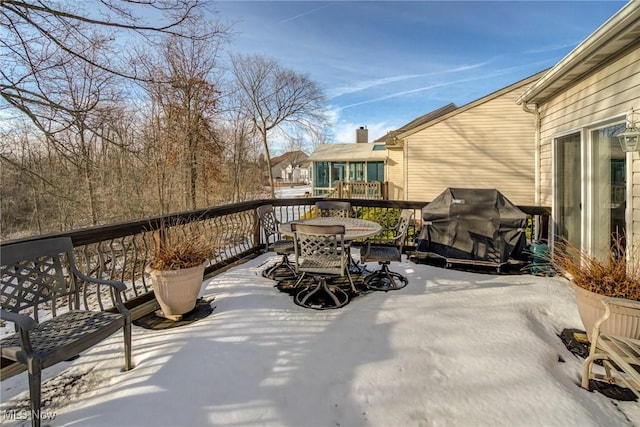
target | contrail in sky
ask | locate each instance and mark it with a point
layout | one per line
(363, 85)
(307, 13)
(433, 86)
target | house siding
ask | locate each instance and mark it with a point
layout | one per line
(395, 173)
(603, 95)
(490, 145)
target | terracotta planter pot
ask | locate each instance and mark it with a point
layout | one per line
(177, 290)
(591, 309)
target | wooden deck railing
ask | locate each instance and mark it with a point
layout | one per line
(360, 190)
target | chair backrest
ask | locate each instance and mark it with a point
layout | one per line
(333, 208)
(402, 227)
(618, 311)
(322, 245)
(268, 221)
(38, 272)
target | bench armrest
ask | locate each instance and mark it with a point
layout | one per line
(113, 283)
(119, 287)
(23, 321)
(25, 324)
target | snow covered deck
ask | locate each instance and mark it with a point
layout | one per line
(453, 348)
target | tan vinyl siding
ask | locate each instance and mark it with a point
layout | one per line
(606, 94)
(394, 174)
(490, 145)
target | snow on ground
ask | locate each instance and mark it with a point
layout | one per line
(453, 348)
(287, 192)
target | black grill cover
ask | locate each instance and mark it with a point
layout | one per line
(473, 225)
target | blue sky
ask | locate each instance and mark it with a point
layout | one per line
(384, 63)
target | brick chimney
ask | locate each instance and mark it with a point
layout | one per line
(362, 135)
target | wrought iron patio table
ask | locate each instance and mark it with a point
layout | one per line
(355, 228)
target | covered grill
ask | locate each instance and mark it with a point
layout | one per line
(473, 226)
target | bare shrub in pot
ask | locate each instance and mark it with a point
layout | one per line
(592, 279)
(177, 270)
(616, 276)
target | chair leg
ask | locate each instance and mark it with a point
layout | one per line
(35, 386)
(302, 298)
(285, 263)
(353, 286)
(385, 280)
(300, 278)
(587, 367)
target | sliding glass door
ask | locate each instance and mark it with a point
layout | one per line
(608, 188)
(568, 194)
(590, 189)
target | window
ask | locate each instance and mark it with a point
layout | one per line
(320, 174)
(375, 171)
(338, 173)
(356, 171)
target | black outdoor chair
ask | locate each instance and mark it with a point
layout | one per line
(385, 248)
(333, 208)
(321, 252)
(275, 243)
(40, 293)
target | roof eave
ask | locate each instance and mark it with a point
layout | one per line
(614, 28)
(470, 105)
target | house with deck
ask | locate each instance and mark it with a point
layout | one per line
(487, 143)
(350, 170)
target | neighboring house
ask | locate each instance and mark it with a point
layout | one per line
(347, 163)
(291, 167)
(487, 143)
(579, 106)
(395, 170)
(306, 169)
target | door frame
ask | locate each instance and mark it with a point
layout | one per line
(587, 188)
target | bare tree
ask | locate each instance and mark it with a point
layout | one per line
(294, 142)
(241, 152)
(183, 88)
(38, 37)
(318, 136)
(272, 96)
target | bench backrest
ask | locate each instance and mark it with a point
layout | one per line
(38, 272)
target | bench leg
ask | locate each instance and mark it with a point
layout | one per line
(34, 393)
(127, 344)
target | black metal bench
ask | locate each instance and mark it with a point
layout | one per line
(40, 278)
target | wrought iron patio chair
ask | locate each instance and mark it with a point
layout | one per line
(320, 251)
(275, 243)
(385, 248)
(620, 355)
(40, 293)
(333, 208)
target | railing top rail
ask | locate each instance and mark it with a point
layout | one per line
(96, 234)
